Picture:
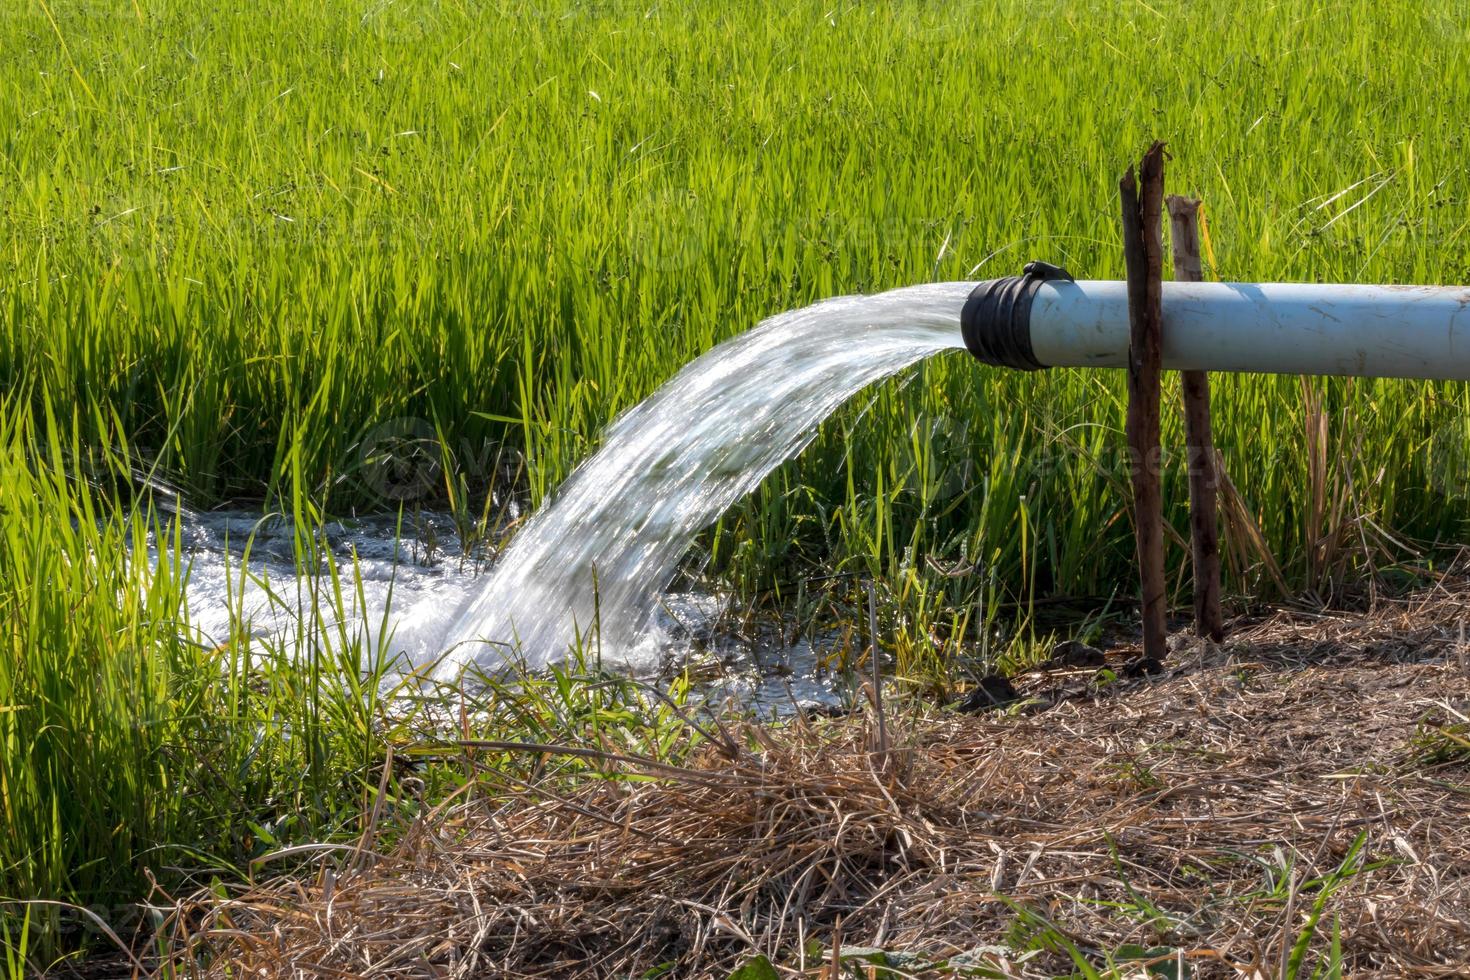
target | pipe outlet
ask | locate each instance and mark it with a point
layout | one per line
(1044, 318)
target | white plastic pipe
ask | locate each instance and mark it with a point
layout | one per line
(1272, 328)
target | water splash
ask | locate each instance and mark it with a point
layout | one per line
(398, 587)
(602, 552)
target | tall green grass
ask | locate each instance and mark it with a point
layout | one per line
(255, 237)
(139, 760)
(235, 242)
(130, 745)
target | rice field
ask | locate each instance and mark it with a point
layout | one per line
(242, 247)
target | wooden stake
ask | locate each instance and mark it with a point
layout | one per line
(1204, 532)
(882, 741)
(1143, 251)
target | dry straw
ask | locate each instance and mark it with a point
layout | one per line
(1247, 812)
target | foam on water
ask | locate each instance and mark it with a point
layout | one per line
(397, 592)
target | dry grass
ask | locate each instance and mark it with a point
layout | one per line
(1198, 811)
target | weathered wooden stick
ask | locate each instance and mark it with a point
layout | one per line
(1204, 532)
(882, 732)
(1143, 251)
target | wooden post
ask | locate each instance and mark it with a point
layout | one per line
(1143, 251)
(1204, 532)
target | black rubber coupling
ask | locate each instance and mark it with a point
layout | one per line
(996, 321)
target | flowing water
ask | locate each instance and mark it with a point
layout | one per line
(604, 551)
(400, 589)
(396, 589)
(590, 567)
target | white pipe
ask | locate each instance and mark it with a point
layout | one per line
(1269, 328)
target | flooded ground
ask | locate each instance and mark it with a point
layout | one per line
(400, 585)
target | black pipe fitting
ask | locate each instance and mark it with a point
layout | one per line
(996, 320)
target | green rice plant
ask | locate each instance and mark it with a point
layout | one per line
(132, 745)
(238, 243)
(137, 751)
(402, 211)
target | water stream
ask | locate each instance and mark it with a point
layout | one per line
(599, 556)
